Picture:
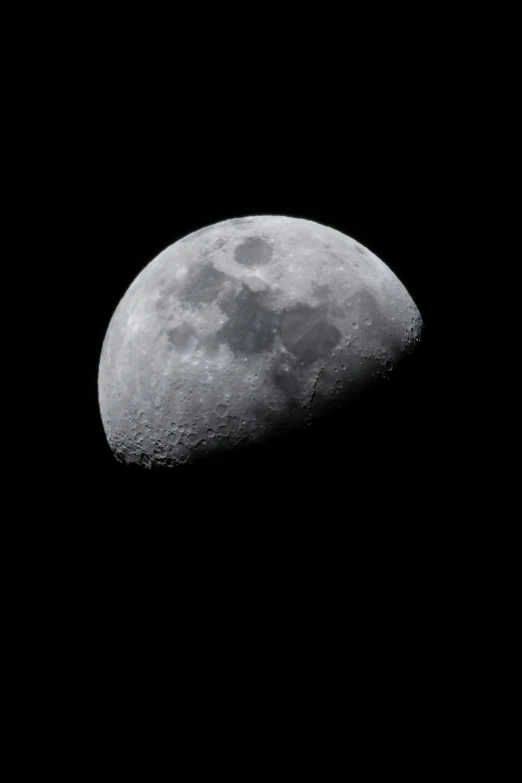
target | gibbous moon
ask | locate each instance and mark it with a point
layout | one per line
(245, 330)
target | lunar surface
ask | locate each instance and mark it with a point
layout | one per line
(245, 330)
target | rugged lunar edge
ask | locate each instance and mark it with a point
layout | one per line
(245, 329)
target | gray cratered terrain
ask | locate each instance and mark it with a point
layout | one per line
(244, 330)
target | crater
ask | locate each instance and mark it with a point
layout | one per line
(370, 313)
(254, 251)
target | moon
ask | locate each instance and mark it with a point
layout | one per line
(244, 331)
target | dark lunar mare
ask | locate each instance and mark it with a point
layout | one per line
(253, 251)
(252, 325)
(203, 284)
(307, 333)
